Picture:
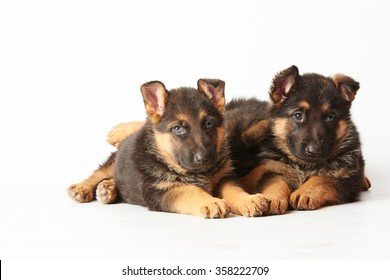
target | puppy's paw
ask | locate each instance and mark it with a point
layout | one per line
(278, 205)
(305, 201)
(366, 183)
(106, 192)
(213, 209)
(251, 205)
(80, 193)
(121, 131)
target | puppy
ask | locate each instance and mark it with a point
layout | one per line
(312, 155)
(178, 161)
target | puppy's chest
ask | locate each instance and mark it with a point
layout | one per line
(295, 175)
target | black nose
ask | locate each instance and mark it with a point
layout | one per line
(313, 150)
(200, 157)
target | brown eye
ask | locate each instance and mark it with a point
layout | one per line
(330, 118)
(209, 124)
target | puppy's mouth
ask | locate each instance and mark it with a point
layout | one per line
(197, 168)
(309, 159)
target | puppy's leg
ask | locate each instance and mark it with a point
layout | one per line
(121, 131)
(276, 190)
(185, 199)
(241, 202)
(250, 181)
(314, 193)
(84, 191)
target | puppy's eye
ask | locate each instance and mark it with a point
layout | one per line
(330, 118)
(209, 124)
(178, 130)
(298, 117)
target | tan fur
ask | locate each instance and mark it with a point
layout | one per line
(242, 203)
(251, 180)
(304, 105)
(163, 185)
(280, 131)
(257, 131)
(366, 184)
(290, 174)
(84, 191)
(106, 192)
(341, 131)
(183, 118)
(202, 114)
(280, 128)
(325, 107)
(192, 200)
(165, 149)
(155, 97)
(219, 100)
(220, 138)
(277, 192)
(314, 193)
(119, 132)
(341, 81)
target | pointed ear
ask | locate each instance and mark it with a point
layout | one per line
(347, 86)
(282, 84)
(155, 98)
(215, 90)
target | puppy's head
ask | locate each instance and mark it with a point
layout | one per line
(187, 123)
(311, 113)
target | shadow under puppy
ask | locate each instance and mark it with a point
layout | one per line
(178, 161)
(312, 155)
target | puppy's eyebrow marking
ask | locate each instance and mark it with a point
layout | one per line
(325, 107)
(202, 114)
(182, 117)
(304, 104)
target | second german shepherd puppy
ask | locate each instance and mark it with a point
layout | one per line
(178, 161)
(312, 155)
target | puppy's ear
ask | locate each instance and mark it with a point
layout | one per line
(347, 86)
(215, 90)
(155, 98)
(282, 84)
(255, 133)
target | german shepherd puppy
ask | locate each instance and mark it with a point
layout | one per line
(312, 155)
(178, 161)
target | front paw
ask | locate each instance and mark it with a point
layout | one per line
(214, 208)
(305, 201)
(251, 205)
(80, 193)
(278, 205)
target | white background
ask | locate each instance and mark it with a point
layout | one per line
(70, 70)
